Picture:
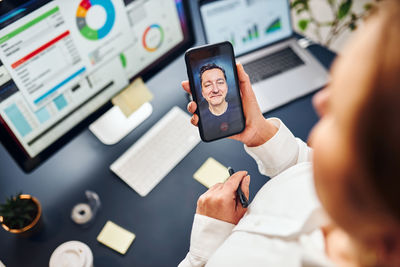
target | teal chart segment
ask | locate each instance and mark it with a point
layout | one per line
(81, 13)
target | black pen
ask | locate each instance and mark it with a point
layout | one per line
(242, 198)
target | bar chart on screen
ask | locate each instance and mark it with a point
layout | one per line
(265, 22)
(274, 26)
(36, 129)
(252, 34)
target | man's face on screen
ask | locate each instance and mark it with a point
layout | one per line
(214, 86)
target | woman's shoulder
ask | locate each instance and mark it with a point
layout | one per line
(283, 206)
(247, 249)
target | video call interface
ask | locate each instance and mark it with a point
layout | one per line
(62, 60)
(216, 88)
(267, 21)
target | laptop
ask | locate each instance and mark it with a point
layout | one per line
(262, 35)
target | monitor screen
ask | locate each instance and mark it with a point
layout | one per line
(62, 60)
(247, 24)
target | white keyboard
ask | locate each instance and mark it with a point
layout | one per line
(157, 152)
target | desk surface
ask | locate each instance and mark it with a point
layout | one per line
(161, 221)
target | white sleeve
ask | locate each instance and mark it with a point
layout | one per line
(207, 235)
(281, 152)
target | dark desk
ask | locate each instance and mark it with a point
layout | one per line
(161, 221)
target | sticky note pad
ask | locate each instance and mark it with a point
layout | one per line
(211, 173)
(116, 237)
(132, 97)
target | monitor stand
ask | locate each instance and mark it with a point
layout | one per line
(112, 126)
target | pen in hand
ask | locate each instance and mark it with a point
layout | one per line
(242, 198)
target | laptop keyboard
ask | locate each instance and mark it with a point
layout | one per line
(272, 64)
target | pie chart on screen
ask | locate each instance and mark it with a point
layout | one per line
(153, 37)
(95, 18)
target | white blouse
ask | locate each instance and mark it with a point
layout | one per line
(282, 224)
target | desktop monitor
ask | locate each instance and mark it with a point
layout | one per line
(63, 60)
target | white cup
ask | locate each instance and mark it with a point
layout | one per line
(72, 254)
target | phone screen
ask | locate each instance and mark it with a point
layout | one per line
(214, 84)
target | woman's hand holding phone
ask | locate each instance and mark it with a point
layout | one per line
(257, 130)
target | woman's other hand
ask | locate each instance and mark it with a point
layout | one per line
(258, 130)
(221, 201)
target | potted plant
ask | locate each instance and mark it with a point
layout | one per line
(21, 214)
(343, 17)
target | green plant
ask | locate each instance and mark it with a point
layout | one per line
(343, 18)
(17, 212)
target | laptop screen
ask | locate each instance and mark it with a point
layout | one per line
(247, 24)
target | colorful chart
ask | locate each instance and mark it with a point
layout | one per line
(85, 30)
(123, 59)
(274, 26)
(252, 33)
(153, 37)
(232, 39)
(18, 119)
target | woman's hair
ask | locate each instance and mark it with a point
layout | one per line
(377, 130)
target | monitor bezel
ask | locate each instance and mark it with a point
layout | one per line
(28, 164)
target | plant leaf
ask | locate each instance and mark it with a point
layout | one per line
(19, 223)
(295, 3)
(368, 6)
(7, 214)
(17, 212)
(300, 10)
(303, 24)
(26, 217)
(302, 4)
(344, 9)
(352, 26)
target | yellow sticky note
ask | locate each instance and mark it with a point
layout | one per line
(116, 237)
(132, 97)
(211, 173)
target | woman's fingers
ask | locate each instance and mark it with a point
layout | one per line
(245, 84)
(233, 182)
(191, 107)
(245, 186)
(186, 86)
(195, 120)
(242, 75)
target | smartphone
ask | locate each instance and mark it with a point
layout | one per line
(214, 86)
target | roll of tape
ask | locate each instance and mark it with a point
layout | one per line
(81, 213)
